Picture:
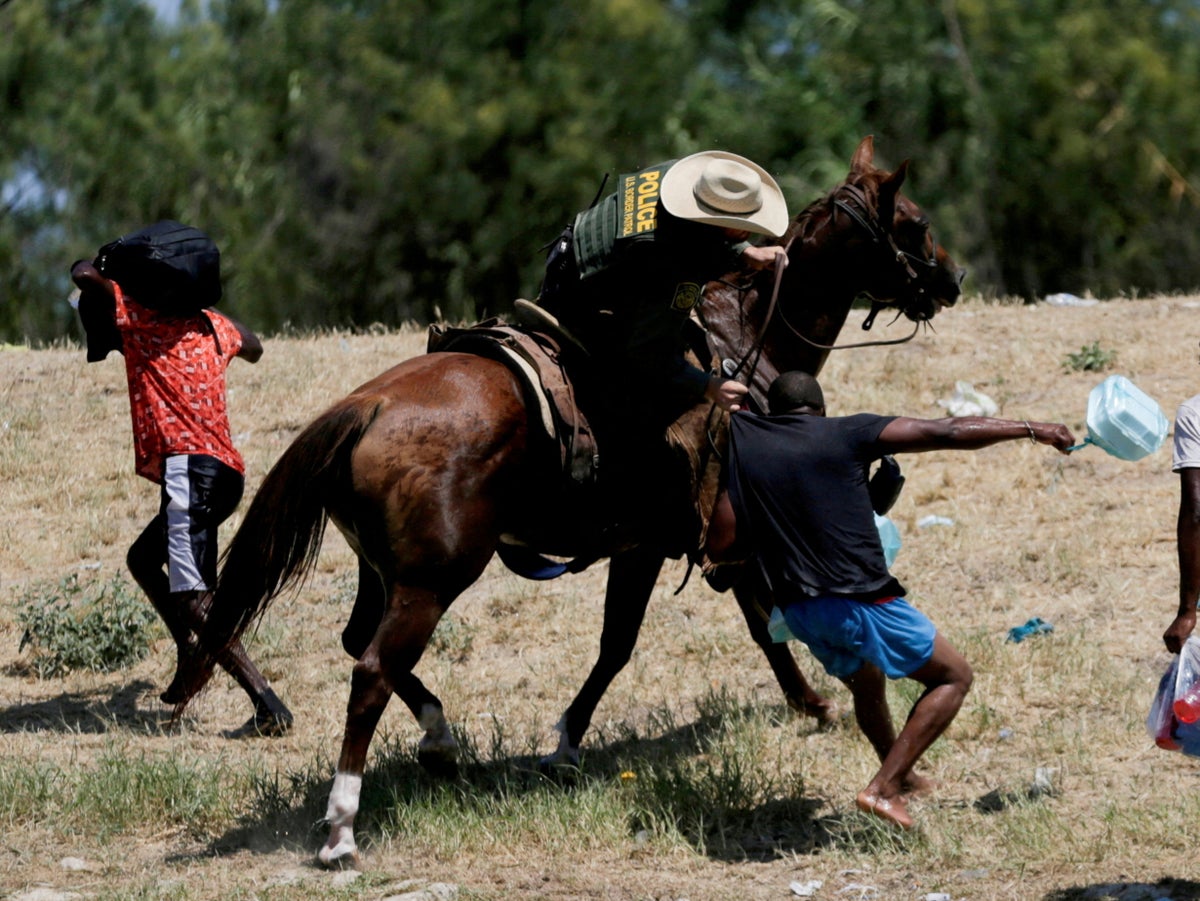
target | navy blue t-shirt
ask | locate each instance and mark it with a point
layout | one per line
(798, 486)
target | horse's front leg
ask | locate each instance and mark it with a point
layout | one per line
(631, 578)
(752, 597)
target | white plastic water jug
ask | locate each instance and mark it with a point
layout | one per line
(777, 627)
(889, 537)
(1123, 420)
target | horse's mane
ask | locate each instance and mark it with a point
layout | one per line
(805, 223)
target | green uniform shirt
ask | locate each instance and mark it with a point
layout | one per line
(650, 268)
(628, 216)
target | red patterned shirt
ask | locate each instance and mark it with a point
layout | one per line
(176, 371)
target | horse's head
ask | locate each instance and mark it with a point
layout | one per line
(903, 264)
(865, 237)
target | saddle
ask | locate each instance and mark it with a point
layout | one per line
(535, 356)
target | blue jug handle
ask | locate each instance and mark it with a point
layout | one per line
(1084, 443)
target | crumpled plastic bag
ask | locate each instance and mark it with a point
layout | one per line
(1164, 727)
(966, 401)
(1064, 299)
(1034, 626)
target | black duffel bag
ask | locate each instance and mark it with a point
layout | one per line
(168, 266)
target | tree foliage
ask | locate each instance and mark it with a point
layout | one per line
(390, 160)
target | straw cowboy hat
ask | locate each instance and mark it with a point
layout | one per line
(719, 188)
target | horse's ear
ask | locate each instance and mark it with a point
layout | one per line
(888, 189)
(896, 179)
(864, 157)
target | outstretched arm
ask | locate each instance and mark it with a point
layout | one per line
(1187, 539)
(904, 435)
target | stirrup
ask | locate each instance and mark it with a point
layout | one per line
(539, 319)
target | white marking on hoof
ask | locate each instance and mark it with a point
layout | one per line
(566, 754)
(343, 806)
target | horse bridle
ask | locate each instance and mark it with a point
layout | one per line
(879, 236)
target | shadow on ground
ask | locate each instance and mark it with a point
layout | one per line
(1163, 890)
(726, 811)
(86, 712)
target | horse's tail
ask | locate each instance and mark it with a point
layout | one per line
(280, 536)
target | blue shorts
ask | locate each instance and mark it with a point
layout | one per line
(843, 634)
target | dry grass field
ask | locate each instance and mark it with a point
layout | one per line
(725, 794)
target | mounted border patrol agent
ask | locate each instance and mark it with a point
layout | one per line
(622, 280)
(626, 274)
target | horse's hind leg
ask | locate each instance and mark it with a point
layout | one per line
(438, 751)
(801, 696)
(384, 667)
(368, 610)
(631, 578)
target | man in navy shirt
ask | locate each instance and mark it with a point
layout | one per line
(799, 507)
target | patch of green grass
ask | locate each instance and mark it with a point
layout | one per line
(1091, 358)
(721, 784)
(121, 793)
(27, 789)
(75, 625)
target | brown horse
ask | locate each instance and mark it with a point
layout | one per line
(428, 467)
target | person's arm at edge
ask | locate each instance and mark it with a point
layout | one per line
(97, 307)
(1187, 539)
(252, 348)
(905, 435)
(90, 282)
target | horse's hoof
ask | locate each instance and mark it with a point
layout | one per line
(339, 858)
(560, 767)
(437, 763)
(263, 724)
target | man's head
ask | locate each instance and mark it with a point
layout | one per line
(796, 392)
(723, 189)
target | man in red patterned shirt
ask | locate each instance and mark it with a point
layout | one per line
(175, 364)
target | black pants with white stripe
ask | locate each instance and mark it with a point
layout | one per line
(198, 494)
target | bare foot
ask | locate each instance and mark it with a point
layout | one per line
(891, 809)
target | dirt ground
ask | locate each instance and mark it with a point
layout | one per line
(1084, 542)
